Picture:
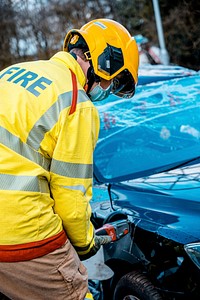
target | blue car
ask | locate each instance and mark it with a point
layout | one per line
(152, 73)
(147, 172)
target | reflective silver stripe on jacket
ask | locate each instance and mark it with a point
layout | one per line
(71, 170)
(50, 118)
(80, 188)
(23, 183)
(15, 144)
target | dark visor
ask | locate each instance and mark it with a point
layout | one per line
(123, 85)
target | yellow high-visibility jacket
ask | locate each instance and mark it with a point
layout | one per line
(46, 158)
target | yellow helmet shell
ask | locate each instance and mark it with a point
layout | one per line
(101, 33)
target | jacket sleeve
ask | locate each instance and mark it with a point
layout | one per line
(72, 173)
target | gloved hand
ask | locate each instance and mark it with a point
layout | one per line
(98, 241)
(102, 240)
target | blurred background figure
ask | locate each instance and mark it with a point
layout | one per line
(149, 54)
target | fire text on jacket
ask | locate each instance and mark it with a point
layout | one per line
(31, 81)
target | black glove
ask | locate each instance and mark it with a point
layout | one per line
(98, 241)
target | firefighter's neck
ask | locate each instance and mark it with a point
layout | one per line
(84, 65)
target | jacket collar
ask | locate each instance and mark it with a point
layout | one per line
(69, 61)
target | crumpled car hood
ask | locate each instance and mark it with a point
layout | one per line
(171, 213)
(156, 130)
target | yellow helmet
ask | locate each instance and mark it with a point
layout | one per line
(112, 51)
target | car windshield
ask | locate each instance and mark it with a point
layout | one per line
(156, 130)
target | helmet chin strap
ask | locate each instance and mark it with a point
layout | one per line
(91, 78)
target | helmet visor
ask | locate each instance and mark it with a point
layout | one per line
(123, 85)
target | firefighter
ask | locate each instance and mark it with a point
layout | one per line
(48, 131)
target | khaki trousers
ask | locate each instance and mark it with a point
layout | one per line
(57, 275)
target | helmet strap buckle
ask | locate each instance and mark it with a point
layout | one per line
(87, 55)
(91, 78)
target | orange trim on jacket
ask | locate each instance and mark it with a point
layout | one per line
(23, 252)
(74, 93)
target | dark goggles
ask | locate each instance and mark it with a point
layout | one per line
(123, 85)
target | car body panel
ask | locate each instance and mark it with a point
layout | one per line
(165, 212)
(147, 167)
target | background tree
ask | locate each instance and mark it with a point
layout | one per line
(182, 33)
(7, 32)
(35, 29)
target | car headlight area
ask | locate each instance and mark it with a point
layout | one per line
(193, 251)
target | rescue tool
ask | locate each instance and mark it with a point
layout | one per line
(110, 232)
(115, 230)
